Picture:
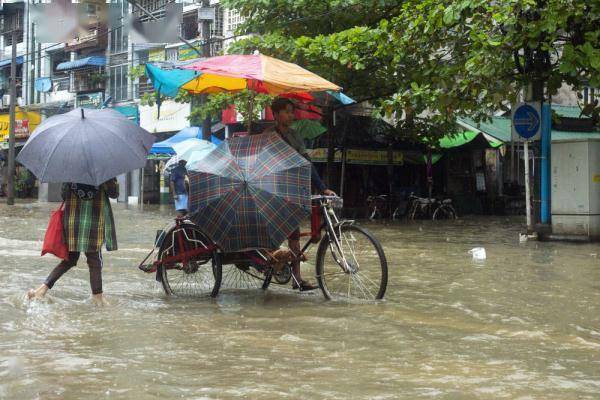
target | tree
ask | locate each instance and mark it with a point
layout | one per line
(427, 62)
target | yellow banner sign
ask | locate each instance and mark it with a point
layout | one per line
(596, 178)
(156, 55)
(25, 123)
(356, 156)
(187, 53)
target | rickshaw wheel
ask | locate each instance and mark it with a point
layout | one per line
(201, 274)
(244, 276)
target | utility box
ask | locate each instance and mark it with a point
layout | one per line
(576, 188)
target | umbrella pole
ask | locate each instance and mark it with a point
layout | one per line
(250, 113)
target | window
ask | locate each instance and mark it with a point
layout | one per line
(118, 82)
(589, 95)
(172, 54)
(216, 29)
(189, 27)
(234, 19)
(118, 41)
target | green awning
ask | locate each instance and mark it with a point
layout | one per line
(499, 128)
(460, 139)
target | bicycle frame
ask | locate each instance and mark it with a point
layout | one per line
(329, 223)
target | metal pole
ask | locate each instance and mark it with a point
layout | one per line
(527, 187)
(546, 167)
(11, 136)
(206, 124)
(32, 67)
(343, 174)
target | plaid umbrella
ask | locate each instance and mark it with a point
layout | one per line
(250, 192)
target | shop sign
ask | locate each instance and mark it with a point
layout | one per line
(25, 123)
(173, 117)
(356, 156)
(187, 53)
(156, 55)
(89, 100)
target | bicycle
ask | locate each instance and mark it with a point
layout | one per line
(445, 210)
(377, 206)
(422, 207)
(350, 261)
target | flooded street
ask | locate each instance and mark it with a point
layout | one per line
(523, 324)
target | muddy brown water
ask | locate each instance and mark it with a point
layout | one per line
(523, 324)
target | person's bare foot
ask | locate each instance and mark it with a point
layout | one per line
(38, 293)
(100, 300)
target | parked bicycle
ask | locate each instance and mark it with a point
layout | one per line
(430, 208)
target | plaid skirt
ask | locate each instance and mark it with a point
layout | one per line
(89, 224)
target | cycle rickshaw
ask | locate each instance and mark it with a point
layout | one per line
(350, 261)
(248, 195)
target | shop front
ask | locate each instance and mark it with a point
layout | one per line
(25, 124)
(164, 123)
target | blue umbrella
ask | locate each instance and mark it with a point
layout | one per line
(190, 150)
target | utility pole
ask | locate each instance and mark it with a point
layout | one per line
(32, 66)
(207, 123)
(13, 99)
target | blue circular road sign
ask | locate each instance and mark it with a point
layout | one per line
(526, 121)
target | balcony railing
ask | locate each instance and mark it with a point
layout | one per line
(87, 86)
(143, 87)
(61, 83)
(95, 37)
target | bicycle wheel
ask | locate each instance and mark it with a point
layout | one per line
(444, 211)
(244, 276)
(415, 211)
(201, 275)
(367, 275)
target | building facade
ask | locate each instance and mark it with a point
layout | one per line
(101, 66)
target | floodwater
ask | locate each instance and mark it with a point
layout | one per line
(522, 324)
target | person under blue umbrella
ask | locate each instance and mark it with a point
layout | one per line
(179, 183)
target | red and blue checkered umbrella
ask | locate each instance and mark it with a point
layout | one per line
(250, 192)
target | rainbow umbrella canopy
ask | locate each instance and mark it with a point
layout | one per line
(232, 73)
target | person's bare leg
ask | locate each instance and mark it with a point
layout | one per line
(100, 300)
(37, 293)
(55, 275)
(294, 245)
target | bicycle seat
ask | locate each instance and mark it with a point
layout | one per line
(447, 201)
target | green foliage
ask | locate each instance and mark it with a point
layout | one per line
(426, 62)
(149, 98)
(247, 103)
(97, 78)
(137, 72)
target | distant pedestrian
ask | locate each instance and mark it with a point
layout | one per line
(88, 225)
(179, 183)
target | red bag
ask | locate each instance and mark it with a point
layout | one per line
(53, 241)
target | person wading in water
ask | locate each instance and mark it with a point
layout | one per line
(283, 112)
(88, 225)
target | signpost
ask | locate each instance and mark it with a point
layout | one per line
(526, 126)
